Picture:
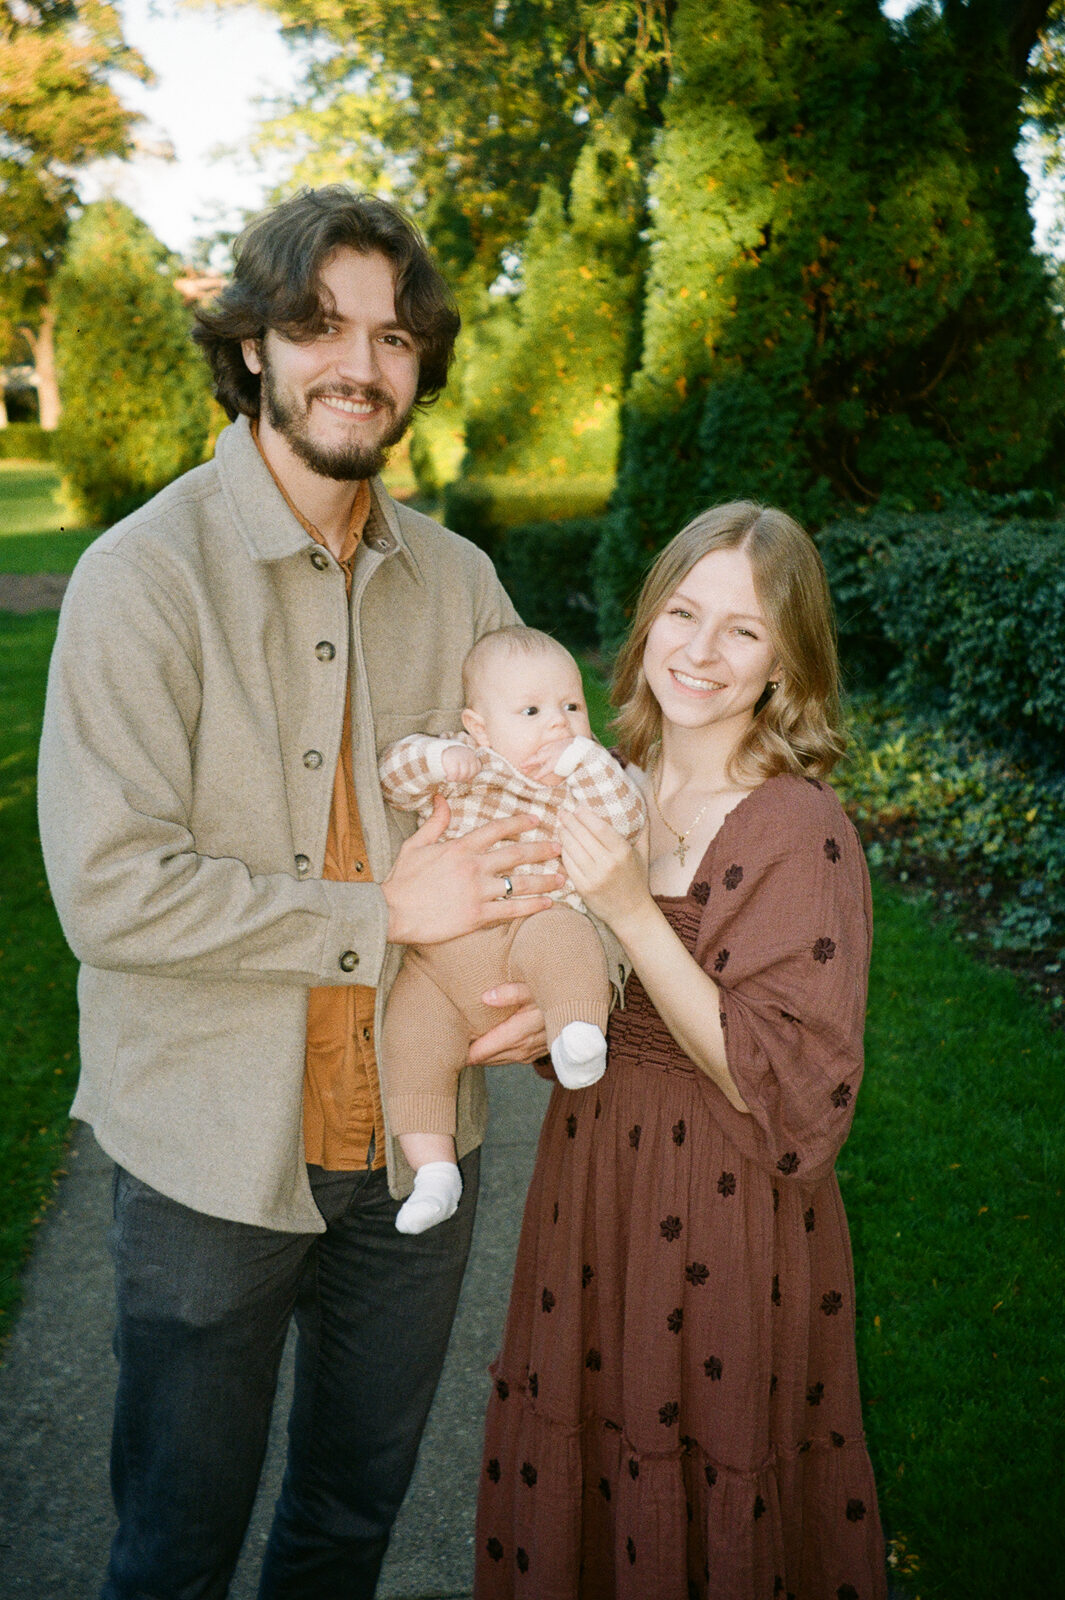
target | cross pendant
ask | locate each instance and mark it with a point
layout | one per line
(681, 851)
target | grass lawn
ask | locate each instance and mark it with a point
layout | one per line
(35, 522)
(953, 1182)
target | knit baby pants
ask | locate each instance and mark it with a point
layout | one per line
(435, 1011)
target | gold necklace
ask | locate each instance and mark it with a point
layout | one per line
(681, 849)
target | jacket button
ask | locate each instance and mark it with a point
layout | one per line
(312, 759)
(382, 542)
(349, 961)
(303, 865)
(324, 650)
(319, 560)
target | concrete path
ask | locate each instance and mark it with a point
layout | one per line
(57, 1387)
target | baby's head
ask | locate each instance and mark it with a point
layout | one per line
(524, 699)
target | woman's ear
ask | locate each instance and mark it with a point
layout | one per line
(475, 727)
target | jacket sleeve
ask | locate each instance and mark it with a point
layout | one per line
(132, 890)
(595, 779)
(412, 771)
(786, 936)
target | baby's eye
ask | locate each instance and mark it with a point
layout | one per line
(530, 711)
(571, 705)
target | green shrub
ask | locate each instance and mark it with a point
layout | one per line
(482, 509)
(546, 569)
(842, 303)
(25, 441)
(135, 390)
(962, 616)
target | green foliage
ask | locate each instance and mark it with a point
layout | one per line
(483, 508)
(545, 567)
(842, 301)
(545, 396)
(135, 390)
(934, 797)
(25, 441)
(962, 615)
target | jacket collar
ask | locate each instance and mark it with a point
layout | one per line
(266, 524)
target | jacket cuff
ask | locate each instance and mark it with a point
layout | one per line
(356, 941)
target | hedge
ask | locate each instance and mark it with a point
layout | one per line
(25, 441)
(482, 509)
(962, 617)
(546, 569)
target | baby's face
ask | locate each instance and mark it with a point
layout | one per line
(528, 709)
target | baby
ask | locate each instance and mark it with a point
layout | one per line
(527, 748)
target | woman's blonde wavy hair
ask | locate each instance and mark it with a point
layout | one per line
(797, 725)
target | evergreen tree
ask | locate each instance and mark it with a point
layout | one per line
(135, 389)
(545, 400)
(842, 301)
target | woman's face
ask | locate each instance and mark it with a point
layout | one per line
(708, 654)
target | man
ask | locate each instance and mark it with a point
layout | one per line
(229, 661)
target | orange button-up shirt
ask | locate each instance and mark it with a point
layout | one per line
(342, 1116)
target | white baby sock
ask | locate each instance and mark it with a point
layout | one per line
(434, 1198)
(578, 1055)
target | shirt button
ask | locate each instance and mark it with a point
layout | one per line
(366, 1034)
(303, 865)
(358, 866)
(349, 961)
(324, 650)
(313, 759)
(382, 542)
(319, 560)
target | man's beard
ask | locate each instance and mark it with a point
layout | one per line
(343, 462)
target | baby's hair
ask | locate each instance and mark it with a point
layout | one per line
(516, 640)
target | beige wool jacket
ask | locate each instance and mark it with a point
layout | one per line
(190, 740)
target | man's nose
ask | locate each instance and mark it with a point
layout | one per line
(356, 359)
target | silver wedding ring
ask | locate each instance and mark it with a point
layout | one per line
(509, 890)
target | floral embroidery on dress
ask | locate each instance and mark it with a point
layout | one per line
(495, 1549)
(733, 877)
(832, 850)
(855, 1510)
(721, 960)
(713, 1369)
(670, 1228)
(788, 1163)
(700, 893)
(842, 1095)
(824, 950)
(697, 1273)
(522, 1558)
(634, 1137)
(547, 1301)
(669, 1414)
(675, 1320)
(726, 1185)
(832, 1303)
(528, 1474)
(815, 1394)
(679, 1130)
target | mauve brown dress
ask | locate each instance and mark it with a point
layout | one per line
(676, 1409)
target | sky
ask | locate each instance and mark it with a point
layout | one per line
(212, 66)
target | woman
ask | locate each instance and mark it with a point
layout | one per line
(676, 1407)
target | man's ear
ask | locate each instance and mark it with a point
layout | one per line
(250, 349)
(475, 726)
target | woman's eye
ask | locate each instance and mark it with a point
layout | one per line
(679, 611)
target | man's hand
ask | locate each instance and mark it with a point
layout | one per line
(438, 889)
(520, 1037)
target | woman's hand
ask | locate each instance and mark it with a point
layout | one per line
(608, 873)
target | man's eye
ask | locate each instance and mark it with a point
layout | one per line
(398, 340)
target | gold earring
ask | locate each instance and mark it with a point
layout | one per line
(773, 684)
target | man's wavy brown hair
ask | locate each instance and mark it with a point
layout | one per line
(797, 725)
(277, 284)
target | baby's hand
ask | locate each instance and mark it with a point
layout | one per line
(460, 764)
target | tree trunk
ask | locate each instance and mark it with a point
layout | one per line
(42, 344)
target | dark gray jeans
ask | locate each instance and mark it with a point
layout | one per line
(203, 1310)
